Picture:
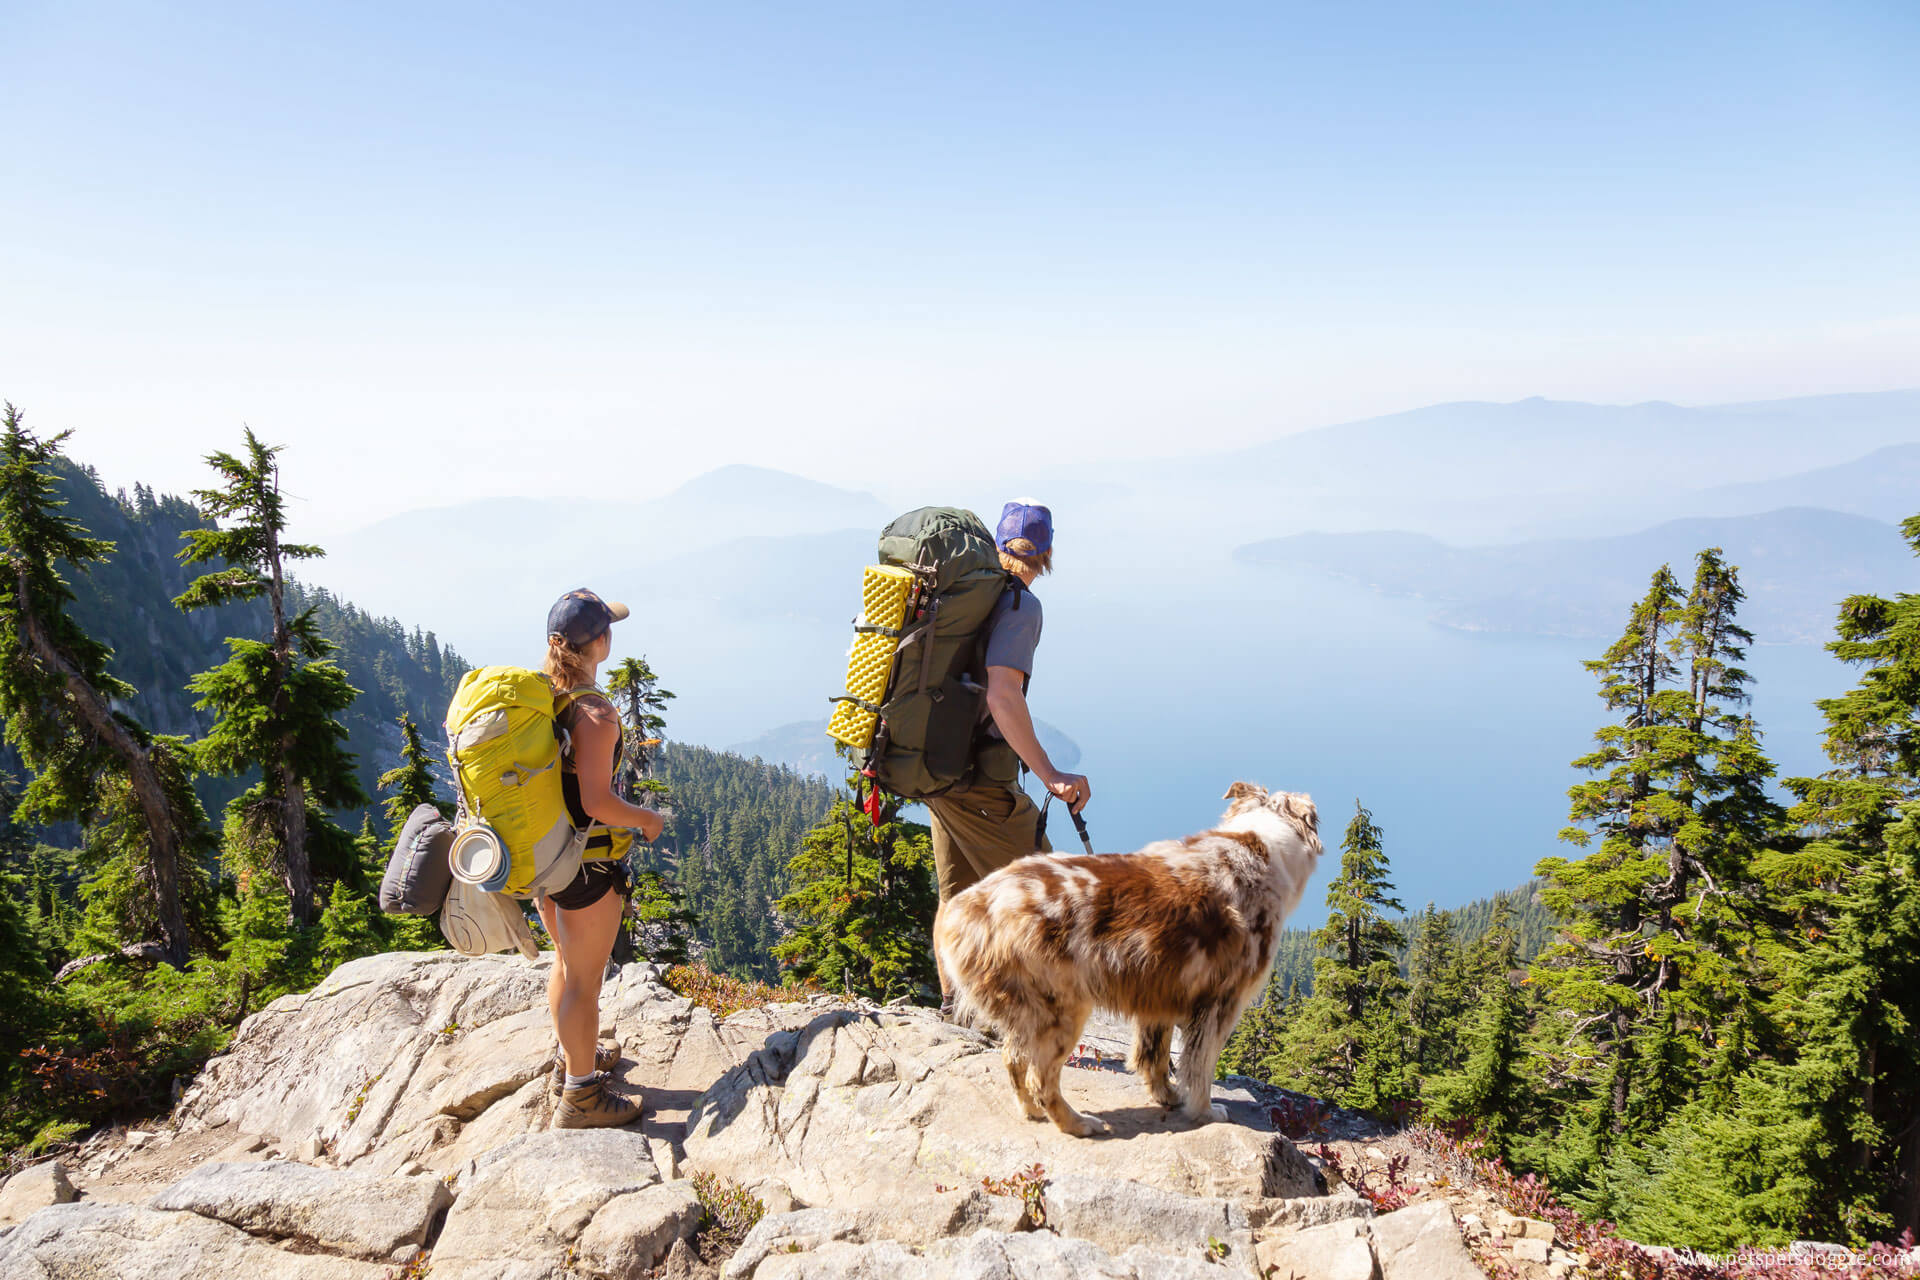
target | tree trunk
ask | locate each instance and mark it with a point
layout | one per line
(293, 843)
(1906, 1195)
(293, 793)
(150, 793)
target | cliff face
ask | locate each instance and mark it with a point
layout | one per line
(400, 1110)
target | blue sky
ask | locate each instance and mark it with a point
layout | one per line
(474, 237)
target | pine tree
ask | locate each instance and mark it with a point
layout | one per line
(57, 695)
(1436, 992)
(662, 922)
(26, 984)
(1662, 917)
(862, 905)
(1850, 994)
(1490, 1089)
(1349, 1040)
(347, 928)
(276, 701)
(1704, 912)
(1259, 1034)
(411, 782)
(642, 702)
(1598, 969)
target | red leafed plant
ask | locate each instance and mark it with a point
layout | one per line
(1612, 1258)
(1385, 1198)
(1299, 1118)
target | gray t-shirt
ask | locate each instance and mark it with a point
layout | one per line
(1013, 633)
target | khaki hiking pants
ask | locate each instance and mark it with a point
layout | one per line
(979, 828)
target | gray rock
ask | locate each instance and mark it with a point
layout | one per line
(1116, 1215)
(396, 1058)
(774, 1196)
(880, 1260)
(1271, 1216)
(34, 1188)
(801, 1231)
(683, 1263)
(1528, 1249)
(1336, 1251)
(984, 1255)
(332, 1209)
(520, 1205)
(914, 1220)
(634, 1232)
(860, 1107)
(132, 1242)
(1422, 1242)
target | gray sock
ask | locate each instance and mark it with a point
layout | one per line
(574, 1081)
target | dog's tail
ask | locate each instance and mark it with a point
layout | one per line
(950, 957)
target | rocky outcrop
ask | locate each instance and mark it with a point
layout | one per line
(858, 1105)
(335, 1211)
(984, 1255)
(130, 1242)
(882, 1142)
(32, 1189)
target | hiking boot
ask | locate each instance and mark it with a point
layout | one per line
(594, 1105)
(605, 1058)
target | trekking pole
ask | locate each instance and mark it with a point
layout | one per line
(1080, 825)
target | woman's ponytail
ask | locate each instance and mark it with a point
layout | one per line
(565, 667)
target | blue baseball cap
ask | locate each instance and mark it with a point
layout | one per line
(1025, 520)
(580, 616)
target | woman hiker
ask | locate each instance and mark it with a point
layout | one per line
(584, 917)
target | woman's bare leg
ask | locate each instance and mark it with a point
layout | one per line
(583, 940)
(557, 971)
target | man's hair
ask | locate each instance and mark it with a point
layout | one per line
(1019, 553)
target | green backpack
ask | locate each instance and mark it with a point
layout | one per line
(929, 737)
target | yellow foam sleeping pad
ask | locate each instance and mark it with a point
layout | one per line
(885, 593)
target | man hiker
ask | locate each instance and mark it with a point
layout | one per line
(989, 820)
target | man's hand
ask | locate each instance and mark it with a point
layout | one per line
(1073, 788)
(650, 826)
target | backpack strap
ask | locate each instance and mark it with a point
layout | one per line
(560, 704)
(978, 668)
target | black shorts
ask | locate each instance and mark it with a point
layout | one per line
(597, 876)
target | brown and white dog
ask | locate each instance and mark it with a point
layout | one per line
(1180, 934)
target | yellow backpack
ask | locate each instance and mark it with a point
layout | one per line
(514, 835)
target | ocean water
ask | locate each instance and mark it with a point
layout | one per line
(1176, 680)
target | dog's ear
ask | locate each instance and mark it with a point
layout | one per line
(1241, 790)
(1297, 808)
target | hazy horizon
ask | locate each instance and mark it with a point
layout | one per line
(441, 252)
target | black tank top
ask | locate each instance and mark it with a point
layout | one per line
(604, 843)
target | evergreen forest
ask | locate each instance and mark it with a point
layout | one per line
(1698, 1021)
(1717, 1041)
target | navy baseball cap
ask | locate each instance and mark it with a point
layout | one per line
(580, 616)
(1025, 520)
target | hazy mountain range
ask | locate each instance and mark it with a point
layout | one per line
(804, 747)
(1311, 662)
(1796, 565)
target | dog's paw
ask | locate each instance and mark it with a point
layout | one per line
(1207, 1115)
(1085, 1126)
(1171, 1099)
